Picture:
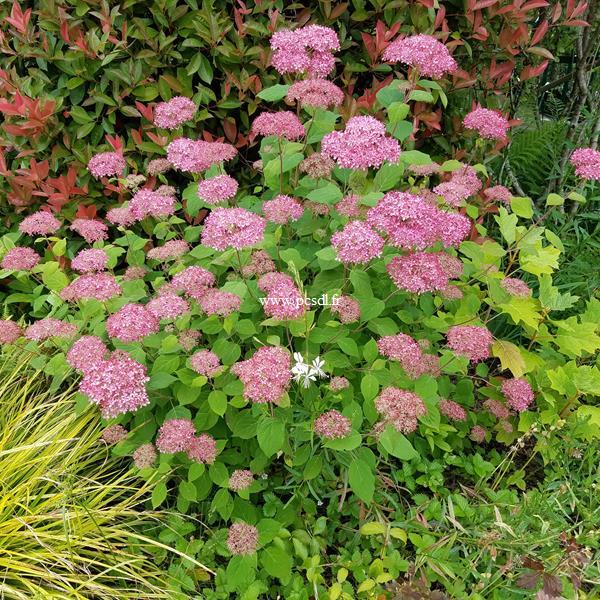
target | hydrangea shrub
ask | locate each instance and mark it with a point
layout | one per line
(361, 324)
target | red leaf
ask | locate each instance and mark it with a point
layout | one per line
(534, 4)
(540, 32)
(17, 19)
(576, 23)
(484, 4)
(528, 581)
(556, 12)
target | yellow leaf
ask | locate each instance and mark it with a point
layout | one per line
(398, 533)
(372, 528)
(510, 357)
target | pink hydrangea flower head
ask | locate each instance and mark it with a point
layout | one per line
(357, 243)
(515, 287)
(318, 93)
(202, 449)
(418, 272)
(20, 259)
(498, 192)
(242, 539)
(232, 228)
(131, 323)
(478, 434)
(451, 265)
(347, 308)
(266, 375)
(219, 302)
(361, 145)
(206, 363)
(317, 166)
(91, 230)
(175, 435)
(86, 353)
(134, 272)
(273, 279)
(260, 263)
(39, 223)
(282, 209)
(193, 281)
(321, 64)
(175, 112)
(188, 339)
(113, 434)
(318, 38)
(10, 331)
(117, 385)
(145, 456)
(196, 156)
(337, 384)
(409, 354)
(488, 123)
(496, 408)
(167, 306)
(147, 203)
(121, 216)
(452, 410)
(423, 52)
(452, 292)
(169, 250)
(400, 408)
(349, 206)
(49, 328)
(158, 166)
(284, 301)
(283, 124)
(332, 425)
(471, 341)
(518, 393)
(241, 479)
(587, 163)
(92, 286)
(106, 164)
(425, 170)
(90, 260)
(217, 189)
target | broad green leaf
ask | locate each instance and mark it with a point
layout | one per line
(551, 299)
(554, 200)
(397, 444)
(159, 494)
(361, 480)
(271, 435)
(575, 339)
(349, 442)
(373, 528)
(277, 562)
(369, 386)
(523, 310)
(329, 194)
(274, 93)
(217, 400)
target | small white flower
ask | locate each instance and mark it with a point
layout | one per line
(317, 367)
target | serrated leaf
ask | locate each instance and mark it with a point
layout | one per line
(510, 357)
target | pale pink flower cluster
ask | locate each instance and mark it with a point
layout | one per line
(134, 272)
(338, 383)
(418, 272)
(196, 156)
(49, 328)
(260, 263)
(498, 192)
(471, 341)
(10, 331)
(317, 166)
(106, 164)
(131, 323)
(144, 457)
(400, 408)
(193, 281)
(92, 286)
(283, 124)
(86, 352)
(409, 354)
(518, 393)
(242, 539)
(425, 170)
(39, 223)
(452, 410)
(357, 242)
(349, 206)
(361, 145)
(148, 203)
(240, 479)
(121, 216)
(205, 363)
(113, 434)
(20, 259)
(496, 408)
(411, 222)
(90, 260)
(587, 163)
(423, 52)
(282, 209)
(158, 166)
(175, 435)
(284, 301)
(91, 230)
(188, 338)
(219, 302)
(171, 114)
(116, 384)
(305, 50)
(478, 434)
(202, 449)
(318, 93)
(332, 425)
(515, 287)
(347, 308)
(463, 183)
(167, 306)
(266, 375)
(232, 228)
(452, 292)
(169, 250)
(217, 189)
(490, 124)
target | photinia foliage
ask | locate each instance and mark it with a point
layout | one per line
(299, 349)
